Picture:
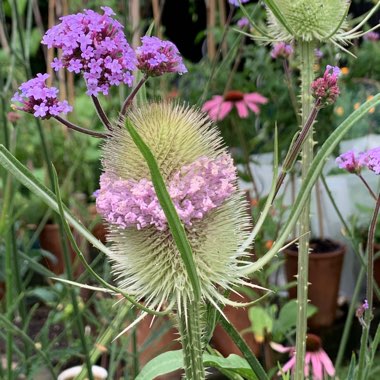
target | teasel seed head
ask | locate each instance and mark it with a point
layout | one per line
(195, 165)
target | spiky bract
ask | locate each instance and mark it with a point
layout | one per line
(308, 20)
(146, 262)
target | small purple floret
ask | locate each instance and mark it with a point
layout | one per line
(39, 100)
(243, 23)
(372, 36)
(236, 2)
(365, 305)
(350, 161)
(95, 46)
(195, 190)
(371, 159)
(156, 57)
(281, 49)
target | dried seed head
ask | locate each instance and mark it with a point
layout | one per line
(146, 260)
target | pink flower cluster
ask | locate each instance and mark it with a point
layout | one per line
(94, 45)
(38, 99)
(156, 57)
(353, 162)
(326, 88)
(281, 49)
(195, 190)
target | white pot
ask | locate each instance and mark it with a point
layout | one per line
(99, 373)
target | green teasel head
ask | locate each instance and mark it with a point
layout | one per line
(307, 20)
(201, 180)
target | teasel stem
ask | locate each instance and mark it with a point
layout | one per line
(86, 131)
(101, 114)
(131, 96)
(306, 50)
(190, 332)
(368, 312)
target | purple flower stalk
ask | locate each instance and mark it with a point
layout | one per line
(243, 23)
(350, 161)
(38, 99)
(281, 49)
(326, 88)
(156, 57)
(195, 189)
(94, 45)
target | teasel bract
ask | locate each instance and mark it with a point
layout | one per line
(201, 179)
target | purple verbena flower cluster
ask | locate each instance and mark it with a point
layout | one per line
(94, 45)
(195, 190)
(243, 23)
(156, 57)
(326, 88)
(371, 36)
(38, 99)
(281, 49)
(353, 163)
(318, 53)
(236, 2)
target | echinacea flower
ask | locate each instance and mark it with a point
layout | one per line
(350, 161)
(38, 99)
(281, 49)
(95, 46)
(201, 181)
(326, 88)
(220, 106)
(317, 361)
(156, 57)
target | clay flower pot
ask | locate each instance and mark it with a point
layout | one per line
(99, 373)
(325, 267)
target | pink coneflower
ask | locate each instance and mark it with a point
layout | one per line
(220, 106)
(316, 359)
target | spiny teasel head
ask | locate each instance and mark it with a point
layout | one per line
(306, 20)
(201, 181)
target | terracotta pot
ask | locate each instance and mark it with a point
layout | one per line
(99, 373)
(50, 240)
(2, 290)
(324, 277)
(99, 230)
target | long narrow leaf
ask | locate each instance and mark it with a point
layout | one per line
(166, 203)
(315, 170)
(22, 174)
(271, 4)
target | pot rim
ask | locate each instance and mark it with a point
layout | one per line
(75, 371)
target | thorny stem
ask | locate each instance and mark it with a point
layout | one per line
(368, 313)
(307, 63)
(100, 111)
(373, 195)
(190, 332)
(131, 96)
(86, 131)
(297, 145)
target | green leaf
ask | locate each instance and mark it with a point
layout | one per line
(22, 174)
(261, 322)
(173, 360)
(174, 222)
(351, 368)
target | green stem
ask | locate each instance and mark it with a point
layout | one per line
(368, 313)
(307, 62)
(190, 331)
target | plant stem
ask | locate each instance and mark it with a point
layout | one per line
(368, 313)
(190, 331)
(100, 111)
(373, 195)
(86, 131)
(307, 62)
(131, 96)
